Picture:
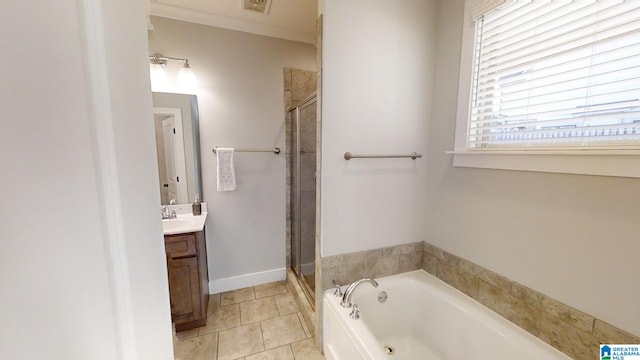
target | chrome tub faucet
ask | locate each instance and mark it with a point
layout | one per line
(346, 298)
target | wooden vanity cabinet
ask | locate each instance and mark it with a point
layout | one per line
(188, 279)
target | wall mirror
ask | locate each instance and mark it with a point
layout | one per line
(178, 147)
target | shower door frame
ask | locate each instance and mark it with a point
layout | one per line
(297, 238)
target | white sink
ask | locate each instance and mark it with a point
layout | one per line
(183, 224)
(169, 225)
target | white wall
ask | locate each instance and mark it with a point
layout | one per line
(378, 63)
(240, 97)
(82, 265)
(572, 237)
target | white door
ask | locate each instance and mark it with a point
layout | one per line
(172, 179)
(171, 157)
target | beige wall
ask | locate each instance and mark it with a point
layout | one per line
(571, 237)
(240, 99)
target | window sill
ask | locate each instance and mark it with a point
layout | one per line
(619, 163)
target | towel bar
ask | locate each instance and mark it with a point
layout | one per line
(349, 156)
(275, 150)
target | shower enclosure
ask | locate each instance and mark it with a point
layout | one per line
(302, 170)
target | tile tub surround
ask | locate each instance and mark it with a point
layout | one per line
(347, 268)
(260, 322)
(567, 329)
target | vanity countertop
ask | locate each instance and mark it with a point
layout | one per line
(185, 222)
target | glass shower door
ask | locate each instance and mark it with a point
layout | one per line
(303, 194)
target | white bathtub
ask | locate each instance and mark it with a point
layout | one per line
(423, 318)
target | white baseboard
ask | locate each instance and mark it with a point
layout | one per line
(243, 281)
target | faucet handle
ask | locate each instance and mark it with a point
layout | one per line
(355, 312)
(338, 291)
(173, 214)
(172, 202)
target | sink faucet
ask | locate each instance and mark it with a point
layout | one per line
(346, 298)
(166, 214)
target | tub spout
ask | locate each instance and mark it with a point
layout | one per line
(346, 298)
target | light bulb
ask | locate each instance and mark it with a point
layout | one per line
(158, 75)
(186, 77)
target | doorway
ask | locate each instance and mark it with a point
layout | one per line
(172, 171)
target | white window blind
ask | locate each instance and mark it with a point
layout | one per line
(556, 74)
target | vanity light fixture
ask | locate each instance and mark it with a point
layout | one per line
(186, 77)
(156, 70)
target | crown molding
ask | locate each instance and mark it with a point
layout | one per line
(225, 22)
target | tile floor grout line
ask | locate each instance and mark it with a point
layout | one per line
(270, 318)
(233, 327)
(291, 349)
(262, 336)
(271, 299)
(218, 346)
(277, 307)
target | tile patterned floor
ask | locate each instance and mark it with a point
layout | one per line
(256, 323)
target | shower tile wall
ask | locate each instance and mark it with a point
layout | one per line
(299, 85)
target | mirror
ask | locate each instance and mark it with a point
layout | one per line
(178, 147)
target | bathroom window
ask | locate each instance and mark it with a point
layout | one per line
(550, 80)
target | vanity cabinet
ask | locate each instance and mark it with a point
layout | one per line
(188, 279)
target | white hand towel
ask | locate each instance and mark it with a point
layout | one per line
(226, 172)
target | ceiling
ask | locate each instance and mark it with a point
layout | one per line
(286, 19)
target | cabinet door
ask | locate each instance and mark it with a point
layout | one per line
(181, 245)
(184, 288)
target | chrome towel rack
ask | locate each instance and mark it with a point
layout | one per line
(275, 150)
(349, 156)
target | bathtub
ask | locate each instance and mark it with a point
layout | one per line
(423, 318)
